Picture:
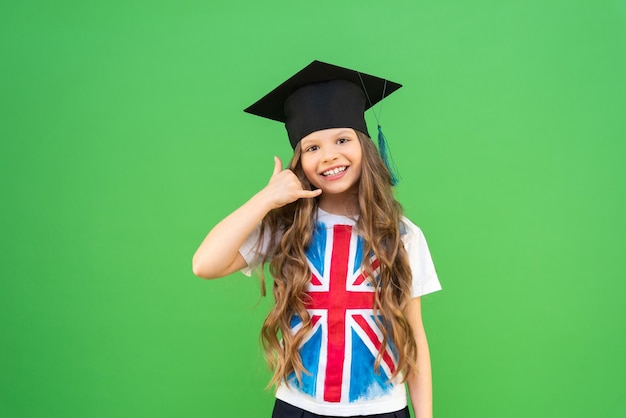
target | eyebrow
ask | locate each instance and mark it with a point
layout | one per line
(345, 131)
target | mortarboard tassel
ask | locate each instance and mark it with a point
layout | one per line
(385, 155)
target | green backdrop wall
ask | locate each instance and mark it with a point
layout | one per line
(123, 141)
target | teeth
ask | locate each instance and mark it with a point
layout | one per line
(334, 171)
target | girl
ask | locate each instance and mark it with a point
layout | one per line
(346, 330)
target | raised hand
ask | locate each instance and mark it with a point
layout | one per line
(218, 255)
(284, 187)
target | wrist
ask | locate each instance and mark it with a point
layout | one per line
(264, 201)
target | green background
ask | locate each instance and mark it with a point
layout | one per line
(123, 142)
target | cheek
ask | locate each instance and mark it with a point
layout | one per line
(308, 167)
(307, 163)
(357, 158)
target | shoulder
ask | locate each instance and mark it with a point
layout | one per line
(408, 230)
(425, 278)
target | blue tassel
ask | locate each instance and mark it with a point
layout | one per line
(385, 155)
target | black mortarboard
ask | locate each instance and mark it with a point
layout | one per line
(323, 96)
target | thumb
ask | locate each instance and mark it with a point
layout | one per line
(278, 166)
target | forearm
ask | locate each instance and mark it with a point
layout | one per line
(420, 382)
(218, 255)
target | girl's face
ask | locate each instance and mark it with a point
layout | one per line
(331, 160)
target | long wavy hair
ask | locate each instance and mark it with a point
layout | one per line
(291, 229)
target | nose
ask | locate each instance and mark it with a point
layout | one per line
(330, 154)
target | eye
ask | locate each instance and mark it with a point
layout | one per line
(343, 140)
(311, 148)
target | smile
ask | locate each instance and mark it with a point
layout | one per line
(334, 171)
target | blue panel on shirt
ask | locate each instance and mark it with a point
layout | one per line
(358, 257)
(364, 382)
(317, 249)
(310, 354)
(295, 321)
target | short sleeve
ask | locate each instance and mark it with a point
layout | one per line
(425, 278)
(252, 252)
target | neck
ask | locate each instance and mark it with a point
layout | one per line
(346, 205)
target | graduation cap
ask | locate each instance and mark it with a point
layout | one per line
(324, 96)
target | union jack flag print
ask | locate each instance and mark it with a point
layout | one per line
(340, 350)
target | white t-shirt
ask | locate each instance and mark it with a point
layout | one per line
(340, 349)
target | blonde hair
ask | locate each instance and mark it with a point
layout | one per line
(291, 229)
